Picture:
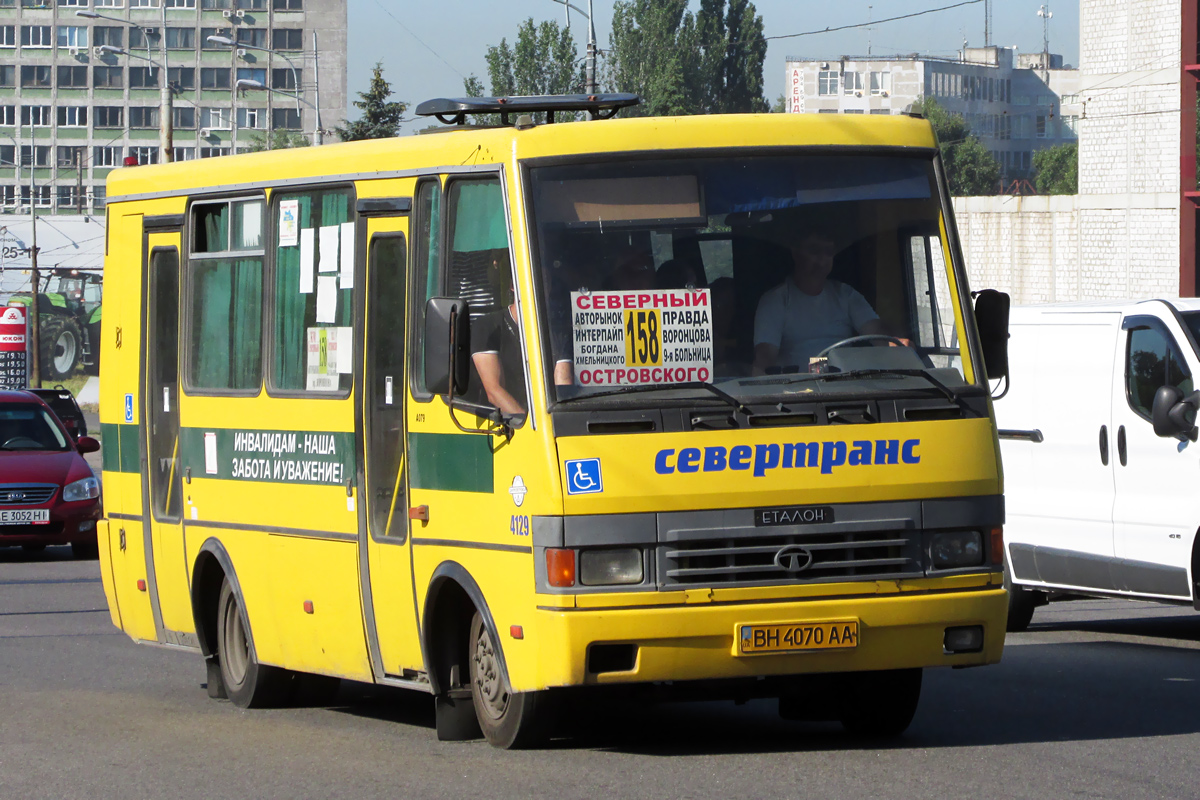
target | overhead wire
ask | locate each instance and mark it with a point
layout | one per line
(427, 47)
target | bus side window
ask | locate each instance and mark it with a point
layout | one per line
(314, 298)
(427, 276)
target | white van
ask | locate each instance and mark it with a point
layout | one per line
(1101, 464)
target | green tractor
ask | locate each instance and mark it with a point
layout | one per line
(68, 305)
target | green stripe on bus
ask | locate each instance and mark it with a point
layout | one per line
(312, 457)
(119, 447)
(131, 457)
(453, 462)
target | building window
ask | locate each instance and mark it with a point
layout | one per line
(144, 155)
(111, 36)
(8, 116)
(881, 111)
(205, 44)
(72, 3)
(183, 117)
(251, 74)
(143, 3)
(213, 152)
(8, 75)
(183, 153)
(287, 5)
(182, 77)
(254, 37)
(143, 117)
(214, 4)
(252, 117)
(1042, 129)
(8, 195)
(41, 195)
(181, 3)
(284, 79)
(8, 155)
(108, 117)
(106, 156)
(225, 297)
(99, 194)
(68, 197)
(72, 116)
(108, 77)
(252, 5)
(34, 77)
(8, 36)
(1072, 123)
(72, 77)
(143, 38)
(72, 36)
(881, 82)
(38, 156)
(287, 39)
(287, 119)
(36, 116)
(214, 77)
(827, 83)
(852, 82)
(109, 3)
(216, 119)
(181, 38)
(143, 77)
(36, 36)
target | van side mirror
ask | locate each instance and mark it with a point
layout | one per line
(447, 344)
(1173, 415)
(991, 318)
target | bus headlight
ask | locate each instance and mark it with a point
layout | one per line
(610, 567)
(956, 550)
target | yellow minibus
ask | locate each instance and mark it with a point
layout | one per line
(500, 413)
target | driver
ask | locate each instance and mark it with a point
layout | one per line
(806, 313)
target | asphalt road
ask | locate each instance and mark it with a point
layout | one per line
(1100, 699)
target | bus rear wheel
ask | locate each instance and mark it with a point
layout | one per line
(247, 683)
(508, 719)
(880, 704)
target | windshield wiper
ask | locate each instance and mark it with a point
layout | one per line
(949, 393)
(721, 393)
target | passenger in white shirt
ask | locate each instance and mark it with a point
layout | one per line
(806, 313)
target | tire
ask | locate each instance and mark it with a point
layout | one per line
(1021, 603)
(61, 346)
(509, 720)
(85, 551)
(247, 683)
(880, 704)
(93, 331)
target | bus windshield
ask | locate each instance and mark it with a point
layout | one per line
(759, 275)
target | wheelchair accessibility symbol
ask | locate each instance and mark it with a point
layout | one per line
(583, 476)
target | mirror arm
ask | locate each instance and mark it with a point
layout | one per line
(505, 429)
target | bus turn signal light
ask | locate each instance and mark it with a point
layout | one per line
(997, 535)
(560, 567)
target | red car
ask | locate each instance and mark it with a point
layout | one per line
(48, 493)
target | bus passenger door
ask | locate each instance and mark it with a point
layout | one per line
(387, 589)
(166, 564)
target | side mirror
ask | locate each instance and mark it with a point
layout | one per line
(1173, 415)
(991, 317)
(86, 444)
(447, 344)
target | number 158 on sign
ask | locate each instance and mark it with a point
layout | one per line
(643, 338)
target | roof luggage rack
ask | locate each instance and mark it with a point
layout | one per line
(454, 111)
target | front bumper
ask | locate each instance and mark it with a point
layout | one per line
(69, 522)
(696, 641)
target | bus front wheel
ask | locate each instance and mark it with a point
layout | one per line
(509, 719)
(247, 683)
(880, 704)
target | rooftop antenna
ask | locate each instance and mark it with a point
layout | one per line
(869, 28)
(1045, 14)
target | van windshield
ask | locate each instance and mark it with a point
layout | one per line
(759, 275)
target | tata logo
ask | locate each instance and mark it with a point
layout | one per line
(794, 558)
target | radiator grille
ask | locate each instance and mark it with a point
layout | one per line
(26, 494)
(836, 556)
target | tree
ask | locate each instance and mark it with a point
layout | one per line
(679, 63)
(279, 140)
(970, 167)
(541, 61)
(380, 118)
(1056, 169)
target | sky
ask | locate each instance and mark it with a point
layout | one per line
(427, 47)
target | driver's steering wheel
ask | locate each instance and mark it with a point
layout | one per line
(870, 337)
(22, 441)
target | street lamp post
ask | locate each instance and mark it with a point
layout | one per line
(165, 121)
(590, 61)
(226, 41)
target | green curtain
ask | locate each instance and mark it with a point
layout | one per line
(227, 338)
(216, 228)
(245, 346)
(479, 217)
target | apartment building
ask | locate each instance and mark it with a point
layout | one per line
(80, 85)
(1015, 103)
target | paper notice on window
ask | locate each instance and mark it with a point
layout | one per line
(327, 298)
(306, 260)
(322, 374)
(642, 337)
(345, 349)
(328, 249)
(289, 223)
(210, 453)
(347, 255)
